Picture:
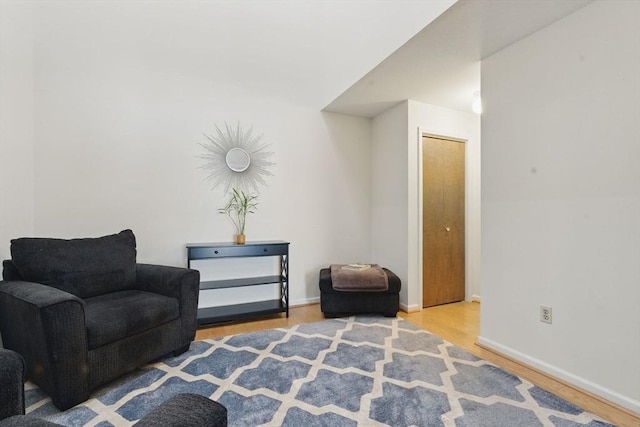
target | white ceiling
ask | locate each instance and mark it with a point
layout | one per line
(302, 51)
(441, 64)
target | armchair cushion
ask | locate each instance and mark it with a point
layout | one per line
(84, 267)
(111, 317)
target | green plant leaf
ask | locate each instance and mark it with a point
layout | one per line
(240, 204)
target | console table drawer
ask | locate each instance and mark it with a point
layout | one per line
(204, 252)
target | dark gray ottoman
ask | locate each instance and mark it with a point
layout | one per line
(335, 303)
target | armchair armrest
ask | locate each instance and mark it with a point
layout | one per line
(10, 271)
(12, 379)
(166, 280)
(182, 284)
(186, 410)
(47, 327)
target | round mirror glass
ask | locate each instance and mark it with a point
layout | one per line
(238, 159)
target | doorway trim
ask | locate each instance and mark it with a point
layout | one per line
(422, 132)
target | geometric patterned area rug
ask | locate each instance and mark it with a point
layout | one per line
(357, 371)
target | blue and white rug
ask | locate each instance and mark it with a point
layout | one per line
(358, 371)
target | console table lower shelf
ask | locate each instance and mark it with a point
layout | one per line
(227, 313)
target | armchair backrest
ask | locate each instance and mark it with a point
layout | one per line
(84, 267)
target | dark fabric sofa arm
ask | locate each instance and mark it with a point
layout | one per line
(12, 373)
(47, 327)
(10, 271)
(167, 281)
(182, 284)
(26, 421)
(186, 409)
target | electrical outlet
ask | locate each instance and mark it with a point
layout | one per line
(545, 314)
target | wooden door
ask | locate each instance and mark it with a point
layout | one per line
(443, 221)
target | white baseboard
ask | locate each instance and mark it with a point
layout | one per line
(475, 298)
(305, 301)
(591, 387)
(410, 308)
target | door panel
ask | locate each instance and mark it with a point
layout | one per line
(443, 221)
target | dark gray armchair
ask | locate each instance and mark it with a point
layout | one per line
(82, 312)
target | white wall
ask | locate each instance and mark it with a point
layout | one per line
(396, 191)
(389, 196)
(16, 122)
(561, 200)
(121, 94)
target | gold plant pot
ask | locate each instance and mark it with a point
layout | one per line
(241, 239)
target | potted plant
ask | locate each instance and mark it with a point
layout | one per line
(240, 204)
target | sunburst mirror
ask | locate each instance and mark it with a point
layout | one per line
(235, 158)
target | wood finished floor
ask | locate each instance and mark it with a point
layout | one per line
(459, 324)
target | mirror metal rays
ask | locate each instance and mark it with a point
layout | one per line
(235, 158)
